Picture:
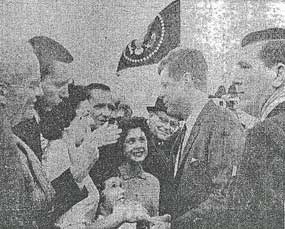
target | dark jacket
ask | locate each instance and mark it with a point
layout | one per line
(258, 195)
(53, 122)
(109, 160)
(216, 143)
(159, 163)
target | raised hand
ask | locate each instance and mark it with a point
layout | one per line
(104, 135)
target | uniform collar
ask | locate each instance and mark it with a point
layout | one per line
(128, 172)
(275, 99)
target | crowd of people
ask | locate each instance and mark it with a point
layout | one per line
(72, 156)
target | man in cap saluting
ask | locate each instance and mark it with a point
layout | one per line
(55, 110)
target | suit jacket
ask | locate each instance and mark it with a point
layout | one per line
(26, 194)
(216, 143)
(67, 191)
(259, 191)
(159, 163)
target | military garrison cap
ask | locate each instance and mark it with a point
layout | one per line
(48, 50)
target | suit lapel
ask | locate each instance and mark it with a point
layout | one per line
(193, 135)
(29, 132)
(162, 156)
(176, 147)
(206, 111)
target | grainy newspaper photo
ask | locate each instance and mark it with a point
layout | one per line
(131, 114)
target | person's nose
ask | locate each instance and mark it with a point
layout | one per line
(138, 144)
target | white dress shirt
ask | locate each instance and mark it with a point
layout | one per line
(190, 122)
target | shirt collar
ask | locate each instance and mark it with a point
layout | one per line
(190, 121)
(137, 172)
(275, 99)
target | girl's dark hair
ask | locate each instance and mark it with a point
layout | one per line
(128, 124)
(101, 186)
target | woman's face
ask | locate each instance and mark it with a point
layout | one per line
(135, 145)
(114, 193)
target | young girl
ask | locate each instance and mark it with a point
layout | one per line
(115, 211)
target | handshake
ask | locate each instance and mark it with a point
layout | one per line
(133, 212)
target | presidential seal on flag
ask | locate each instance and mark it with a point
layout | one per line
(162, 35)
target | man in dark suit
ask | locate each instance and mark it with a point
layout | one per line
(259, 190)
(209, 147)
(164, 130)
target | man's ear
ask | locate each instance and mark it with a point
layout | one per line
(280, 69)
(280, 75)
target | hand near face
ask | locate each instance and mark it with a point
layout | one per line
(104, 135)
(82, 159)
(77, 130)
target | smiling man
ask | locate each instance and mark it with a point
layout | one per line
(162, 125)
(261, 76)
(102, 104)
(102, 110)
(164, 129)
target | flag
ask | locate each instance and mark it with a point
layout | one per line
(163, 35)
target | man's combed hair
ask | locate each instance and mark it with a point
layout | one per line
(263, 35)
(181, 61)
(272, 52)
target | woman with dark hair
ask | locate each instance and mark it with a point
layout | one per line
(139, 185)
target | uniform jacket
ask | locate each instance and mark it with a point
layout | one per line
(207, 167)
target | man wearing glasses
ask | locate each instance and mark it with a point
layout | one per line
(164, 129)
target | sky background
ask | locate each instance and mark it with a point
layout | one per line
(96, 32)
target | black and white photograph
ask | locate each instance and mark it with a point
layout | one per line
(131, 114)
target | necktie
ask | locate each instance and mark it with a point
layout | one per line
(178, 155)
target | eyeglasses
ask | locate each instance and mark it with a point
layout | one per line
(166, 121)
